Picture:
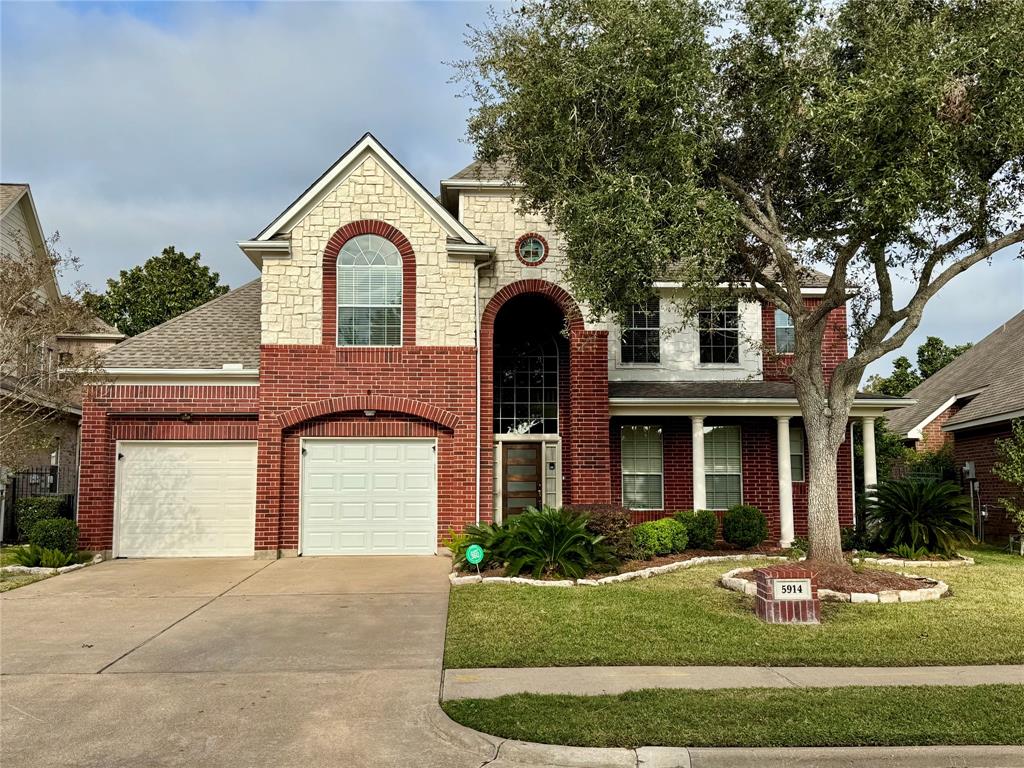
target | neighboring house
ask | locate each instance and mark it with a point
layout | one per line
(54, 469)
(972, 402)
(407, 364)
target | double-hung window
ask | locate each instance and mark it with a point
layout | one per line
(641, 334)
(796, 454)
(642, 467)
(723, 467)
(719, 331)
(369, 293)
(785, 333)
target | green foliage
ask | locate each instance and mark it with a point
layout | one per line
(456, 543)
(800, 546)
(549, 541)
(853, 539)
(611, 521)
(29, 510)
(651, 540)
(745, 526)
(935, 354)
(493, 538)
(163, 288)
(1010, 469)
(907, 552)
(902, 379)
(675, 532)
(701, 527)
(932, 356)
(933, 516)
(56, 533)
(34, 556)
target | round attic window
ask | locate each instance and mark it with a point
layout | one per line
(531, 249)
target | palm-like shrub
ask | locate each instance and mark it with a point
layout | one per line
(920, 514)
(34, 556)
(552, 541)
(493, 538)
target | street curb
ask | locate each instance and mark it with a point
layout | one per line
(526, 753)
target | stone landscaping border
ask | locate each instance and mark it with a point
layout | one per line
(39, 571)
(936, 590)
(618, 578)
(955, 563)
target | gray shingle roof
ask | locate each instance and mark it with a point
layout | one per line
(994, 365)
(499, 170)
(671, 390)
(225, 330)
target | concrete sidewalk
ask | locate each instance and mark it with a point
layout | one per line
(591, 681)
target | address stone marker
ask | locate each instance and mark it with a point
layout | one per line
(786, 594)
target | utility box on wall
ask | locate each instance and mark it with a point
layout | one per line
(787, 594)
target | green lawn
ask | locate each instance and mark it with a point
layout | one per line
(686, 618)
(757, 717)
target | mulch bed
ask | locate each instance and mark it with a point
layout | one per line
(841, 578)
(639, 565)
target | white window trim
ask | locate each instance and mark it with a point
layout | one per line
(622, 472)
(775, 320)
(623, 363)
(739, 429)
(739, 345)
(338, 304)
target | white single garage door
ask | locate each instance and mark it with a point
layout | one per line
(369, 497)
(185, 499)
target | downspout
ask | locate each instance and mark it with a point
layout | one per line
(479, 323)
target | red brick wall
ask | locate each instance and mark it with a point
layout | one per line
(760, 470)
(834, 345)
(416, 391)
(978, 445)
(120, 412)
(933, 438)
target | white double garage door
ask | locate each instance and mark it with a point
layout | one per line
(198, 498)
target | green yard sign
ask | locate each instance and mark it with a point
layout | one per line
(474, 554)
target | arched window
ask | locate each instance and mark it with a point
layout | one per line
(369, 293)
(526, 385)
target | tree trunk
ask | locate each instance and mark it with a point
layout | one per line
(824, 436)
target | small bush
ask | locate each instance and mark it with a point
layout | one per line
(744, 526)
(29, 510)
(553, 542)
(853, 539)
(701, 527)
(34, 556)
(674, 531)
(920, 514)
(456, 543)
(492, 538)
(800, 546)
(652, 539)
(908, 552)
(57, 533)
(613, 523)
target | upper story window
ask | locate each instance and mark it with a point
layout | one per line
(369, 293)
(531, 249)
(641, 334)
(719, 331)
(785, 333)
(642, 467)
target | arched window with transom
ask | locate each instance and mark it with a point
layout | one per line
(369, 280)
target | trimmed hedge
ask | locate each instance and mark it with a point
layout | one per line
(659, 537)
(29, 510)
(701, 527)
(611, 521)
(57, 533)
(745, 526)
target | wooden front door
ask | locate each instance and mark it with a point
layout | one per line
(521, 481)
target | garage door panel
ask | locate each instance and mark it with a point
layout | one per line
(383, 497)
(191, 499)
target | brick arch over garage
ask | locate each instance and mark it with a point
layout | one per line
(359, 403)
(584, 433)
(330, 277)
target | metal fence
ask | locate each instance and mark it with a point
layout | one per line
(37, 481)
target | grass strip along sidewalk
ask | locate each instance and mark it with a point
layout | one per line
(685, 618)
(757, 717)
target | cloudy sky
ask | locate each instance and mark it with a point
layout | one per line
(194, 124)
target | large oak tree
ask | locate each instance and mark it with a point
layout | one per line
(710, 142)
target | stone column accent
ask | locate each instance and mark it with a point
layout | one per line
(786, 529)
(699, 492)
(870, 469)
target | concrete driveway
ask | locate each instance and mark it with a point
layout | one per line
(229, 662)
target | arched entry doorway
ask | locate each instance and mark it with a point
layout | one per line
(530, 410)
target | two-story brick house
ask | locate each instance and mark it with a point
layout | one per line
(407, 364)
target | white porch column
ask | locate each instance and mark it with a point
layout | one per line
(870, 470)
(699, 493)
(786, 530)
